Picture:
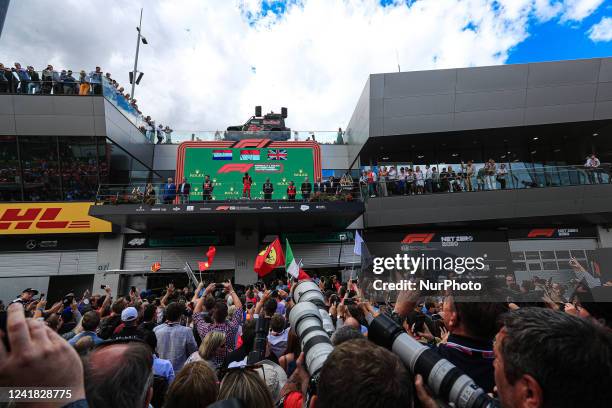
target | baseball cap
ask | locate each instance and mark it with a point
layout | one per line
(129, 314)
(34, 292)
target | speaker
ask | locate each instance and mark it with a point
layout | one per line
(284, 112)
(258, 111)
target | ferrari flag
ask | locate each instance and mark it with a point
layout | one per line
(202, 266)
(270, 258)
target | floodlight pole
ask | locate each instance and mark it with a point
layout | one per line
(136, 58)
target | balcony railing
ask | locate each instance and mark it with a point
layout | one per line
(115, 194)
(457, 182)
(322, 137)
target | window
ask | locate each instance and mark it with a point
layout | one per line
(41, 181)
(10, 178)
(79, 166)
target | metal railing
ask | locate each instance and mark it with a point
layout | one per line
(115, 194)
(322, 137)
(511, 178)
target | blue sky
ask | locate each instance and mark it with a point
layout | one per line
(551, 41)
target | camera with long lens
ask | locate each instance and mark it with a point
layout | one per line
(262, 327)
(312, 324)
(446, 381)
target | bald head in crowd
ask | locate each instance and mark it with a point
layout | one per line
(119, 375)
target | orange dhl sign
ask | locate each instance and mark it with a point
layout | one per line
(49, 218)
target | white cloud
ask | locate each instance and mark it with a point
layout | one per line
(577, 10)
(314, 59)
(601, 31)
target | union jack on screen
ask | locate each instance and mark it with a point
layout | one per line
(277, 154)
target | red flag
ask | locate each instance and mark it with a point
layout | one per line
(270, 258)
(156, 266)
(211, 254)
(303, 275)
(202, 266)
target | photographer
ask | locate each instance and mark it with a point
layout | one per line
(472, 327)
(219, 316)
(547, 359)
(350, 380)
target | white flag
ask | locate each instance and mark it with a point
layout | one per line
(358, 242)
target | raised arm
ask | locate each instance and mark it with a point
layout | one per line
(200, 304)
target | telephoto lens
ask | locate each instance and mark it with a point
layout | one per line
(447, 382)
(312, 324)
(308, 291)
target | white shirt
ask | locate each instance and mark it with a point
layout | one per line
(428, 173)
(592, 162)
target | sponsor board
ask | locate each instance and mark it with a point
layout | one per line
(49, 218)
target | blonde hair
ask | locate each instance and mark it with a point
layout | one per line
(210, 344)
(247, 386)
(194, 386)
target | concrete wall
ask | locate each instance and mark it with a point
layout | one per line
(49, 115)
(490, 97)
(590, 203)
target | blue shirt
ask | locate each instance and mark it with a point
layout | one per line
(163, 368)
(169, 191)
(95, 77)
(93, 335)
(175, 343)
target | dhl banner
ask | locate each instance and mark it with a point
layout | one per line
(49, 218)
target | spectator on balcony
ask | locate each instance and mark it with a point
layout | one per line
(392, 180)
(428, 179)
(96, 81)
(48, 76)
(332, 186)
(34, 85)
(160, 134)
(382, 181)
(419, 179)
(401, 181)
(169, 191)
(480, 178)
(371, 183)
(306, 189)
(291, 191)
(4, 80)
(501, 176)
(168, 131)
(411, 187)
(149, 196)
(435, 179)
(339, 139)
(70, 83)
(183, 191)
(319, 186)
(491, 171)
(444, 181)
(592, 167)
(84, 84)
(24, 78)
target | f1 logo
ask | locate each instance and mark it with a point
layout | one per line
(232, 167)
(252, 143)
(424, 238)
(541, 232)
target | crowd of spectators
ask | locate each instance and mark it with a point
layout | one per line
(191, 348)
(28, 81)
(412, 180)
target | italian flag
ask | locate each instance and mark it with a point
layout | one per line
(293, 268)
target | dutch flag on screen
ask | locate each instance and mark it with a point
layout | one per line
(222, 155)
